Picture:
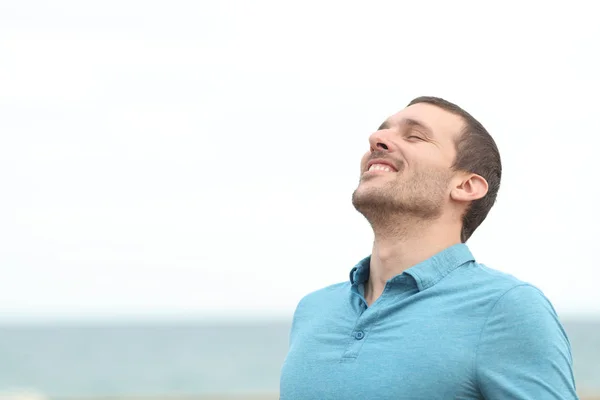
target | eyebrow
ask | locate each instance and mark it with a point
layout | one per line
(409, 123)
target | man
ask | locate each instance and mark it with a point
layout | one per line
(419, 318)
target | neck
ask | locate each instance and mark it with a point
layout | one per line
(395, 250)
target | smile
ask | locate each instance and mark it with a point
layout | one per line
(380, 167)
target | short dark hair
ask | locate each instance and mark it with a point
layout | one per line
(476, 152)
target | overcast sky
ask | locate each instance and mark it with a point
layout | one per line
(198, 157)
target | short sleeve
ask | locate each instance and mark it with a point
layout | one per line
(523, 351)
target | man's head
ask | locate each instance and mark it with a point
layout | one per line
(428, 161)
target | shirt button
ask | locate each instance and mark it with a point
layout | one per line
(359, 335)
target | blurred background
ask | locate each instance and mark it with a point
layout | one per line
(175, 176)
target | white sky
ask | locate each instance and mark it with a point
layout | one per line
(199, 157)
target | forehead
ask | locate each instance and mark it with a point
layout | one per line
(444, 125)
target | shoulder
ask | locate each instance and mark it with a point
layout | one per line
(525, 307)
(518, 296)
(505, 300)
(318, 307)
(523, 350)
(320, 297)
(499, 288)
(495, 278)
(522, 313)
(511, 294)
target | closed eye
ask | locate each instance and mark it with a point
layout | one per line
(415, 137)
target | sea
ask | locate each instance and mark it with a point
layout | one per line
(182, 358)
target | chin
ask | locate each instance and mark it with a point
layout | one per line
(364, 189)
(373, 186)
(366, 195)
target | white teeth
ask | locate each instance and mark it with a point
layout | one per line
(380, 167)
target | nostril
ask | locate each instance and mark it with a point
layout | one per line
(383, 146)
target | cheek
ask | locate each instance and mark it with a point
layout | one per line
(434, 159)
(446, 158)
(363, 161)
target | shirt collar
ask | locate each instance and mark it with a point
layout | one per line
(426, 273)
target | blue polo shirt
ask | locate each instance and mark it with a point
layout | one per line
(447, 328)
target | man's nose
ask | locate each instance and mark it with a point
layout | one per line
(381, 141)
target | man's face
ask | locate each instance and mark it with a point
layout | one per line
(407, 169)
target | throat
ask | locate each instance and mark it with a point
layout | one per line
(371, 293)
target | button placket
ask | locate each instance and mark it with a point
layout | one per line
(358, 335)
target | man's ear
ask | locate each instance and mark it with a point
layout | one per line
(470, 187)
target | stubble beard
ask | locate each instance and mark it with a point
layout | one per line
(392, 206)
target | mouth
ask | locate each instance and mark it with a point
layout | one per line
(380, 166)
